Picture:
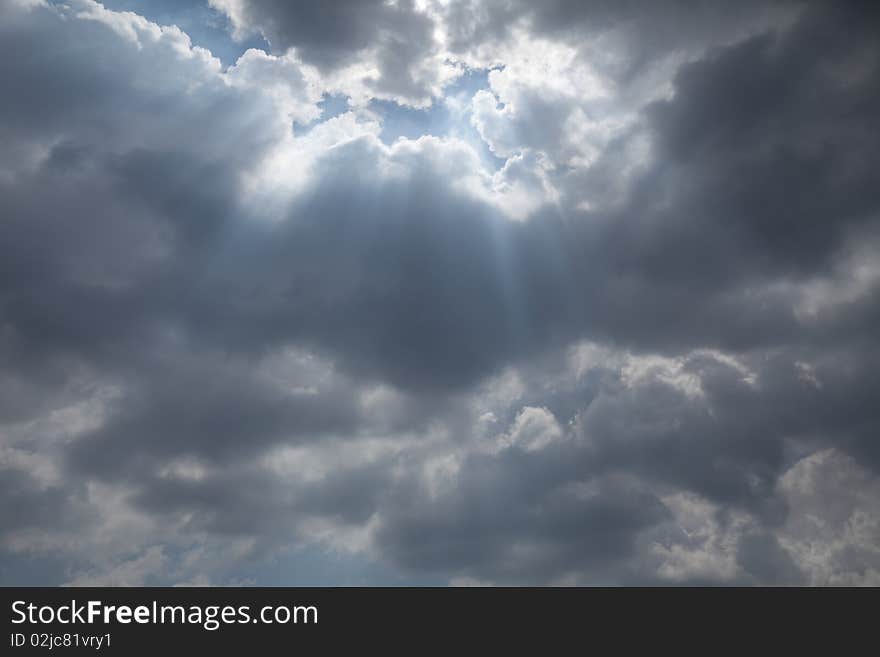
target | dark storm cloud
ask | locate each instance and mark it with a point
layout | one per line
(648, 31)
(777, 136)
(504, 521)
(764, 168)
(731, 441)
(362, 327)
(762, 557)
(214, 413)
(693, 443)
(28, 505)
(244, 502)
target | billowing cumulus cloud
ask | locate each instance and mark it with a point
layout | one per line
(439, 292)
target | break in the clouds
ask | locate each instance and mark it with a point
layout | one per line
(439, 292)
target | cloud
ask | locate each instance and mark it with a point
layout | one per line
(388, 48)
(614, 326)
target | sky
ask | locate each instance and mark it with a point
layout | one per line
(439, 292)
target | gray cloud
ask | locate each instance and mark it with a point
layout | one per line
(397, 38)
(621, 358)
(325, 35)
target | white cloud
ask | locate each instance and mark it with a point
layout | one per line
(533, 429)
